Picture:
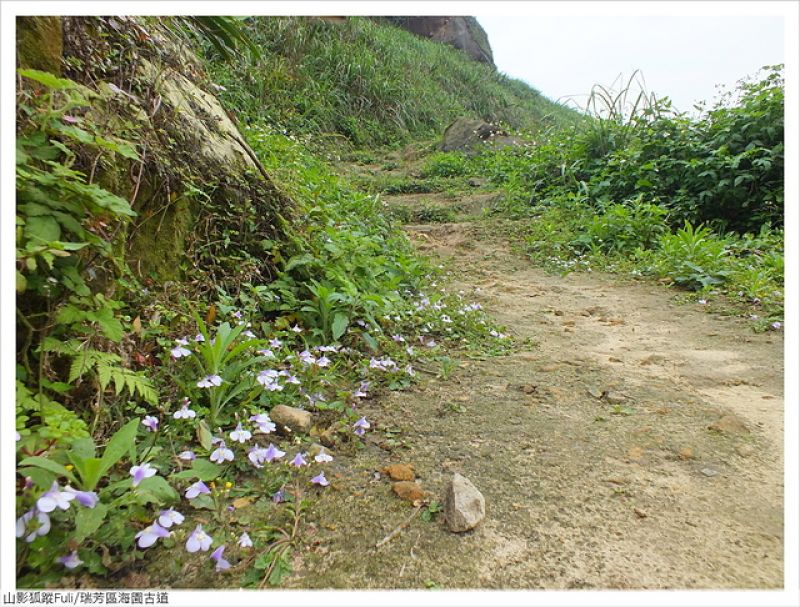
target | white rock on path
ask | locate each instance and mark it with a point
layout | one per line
(464, 505)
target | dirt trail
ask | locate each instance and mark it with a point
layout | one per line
(592, 447)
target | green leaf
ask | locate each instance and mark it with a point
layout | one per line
(41, 478)
(47, 464)
(201, 469)
(88, 520)
(204, 435)
(88, 469)
(155, 490)
(339, 325)
(122, 442)
(49, 80)
(42, 228)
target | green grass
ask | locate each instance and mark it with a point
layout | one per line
(371, 84)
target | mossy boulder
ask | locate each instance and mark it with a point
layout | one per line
(40, 43)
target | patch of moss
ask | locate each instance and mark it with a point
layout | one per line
(40, 43)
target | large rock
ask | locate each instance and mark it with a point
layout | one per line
(469, 136)
(464, 506)
(463, 33)
(291, 418)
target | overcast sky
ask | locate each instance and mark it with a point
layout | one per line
(681, 57)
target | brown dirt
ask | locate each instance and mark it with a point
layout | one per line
(592, 447)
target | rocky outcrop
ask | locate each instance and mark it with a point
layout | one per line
(469, 136)
(194, 171)
(463, 33)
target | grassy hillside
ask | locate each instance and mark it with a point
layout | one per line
(371, 83)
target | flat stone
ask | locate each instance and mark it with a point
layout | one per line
(745, 450)
(291, 419)
(464, 505)
(709, 472)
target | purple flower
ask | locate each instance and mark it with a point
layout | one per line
(273, 453)
(257, 456)
(19, 437)
(187, 456)
(210, 381)
(279, 496)
(54, 498)
(40, 527)
(292, 379)
(170, 517)
(236, 314)
(298, 461)
(399, 338)
(361, 392)
(198, 540)
(323, 361)
(275, 342)
(185, 412)
(139, 473)
(199, 337)
(410, 350)
(245, 541)
(266, 353)
(149, 535)
(306, 357)
(249, 333)
(320, 480)
(322, 457)
(181, 349)
(410, 370)
(88, 499)
(150, 422)
(297, 329)
(240, 435)
(196, 489)
(71, 561)
(222, 453)
(360, 426)
(221, 562)
(776, 325)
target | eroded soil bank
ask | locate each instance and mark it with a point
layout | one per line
(592, 445)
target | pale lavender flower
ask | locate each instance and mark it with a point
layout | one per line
(322, 457)
(88, 499)
(199, 337)
(170, 517)
(54, 498)
(236, 314)
(19, 437)
(139, 473)
(69, 119)
(41, 526)
(297, 329)
(222, 454)
(187, 456)
(399, 338)
(298, 461)
(245, 541)
(71, 561)
(249, 333)
(410, 371)
(275, 342)
(209, 381)
(292, 379)
(257, 456)
(221, 562)
(360, 426)
(150, 422)
(266, 377)
(267, 427)
(702, 302)
(196, 489)
(776, 325)
(306, 357)
(320, 480)
(273, 453)
(185, 412)
(279, 496)
(149, 535)
(323, 361)
(410, 350)
(181, 350)
(198, 540)
(266, 353)
(240, 434)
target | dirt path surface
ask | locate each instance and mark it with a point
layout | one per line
(636, 443)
